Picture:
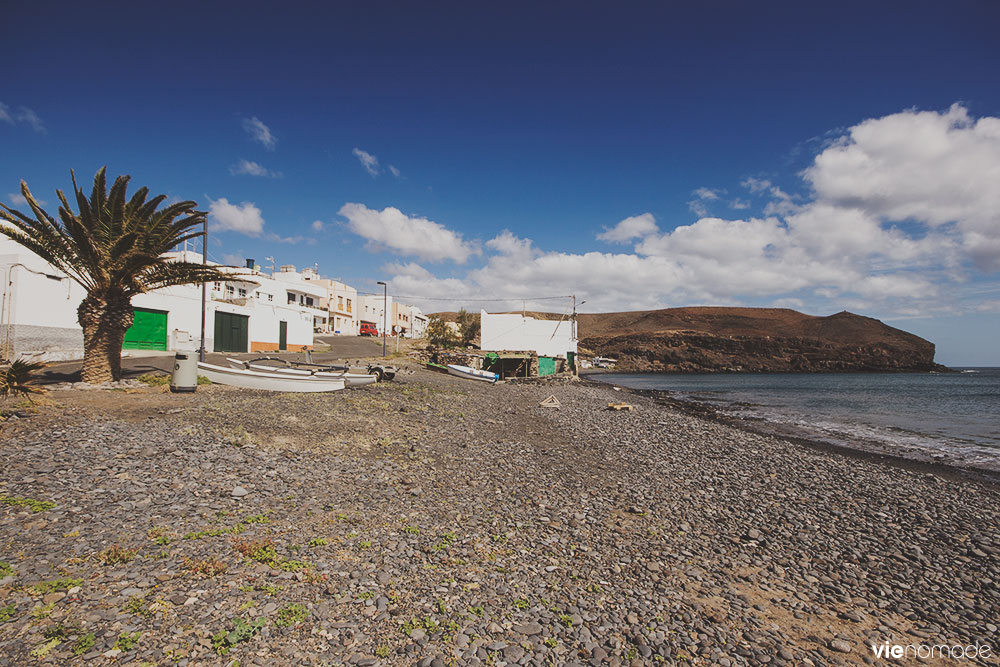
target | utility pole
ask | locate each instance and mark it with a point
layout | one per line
(204, 285)
(385, 314)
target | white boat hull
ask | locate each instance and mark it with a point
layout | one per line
(253, 379)
(472, 373)
(350, 379)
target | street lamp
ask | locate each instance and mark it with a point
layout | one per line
(385, 318)
(204, 285)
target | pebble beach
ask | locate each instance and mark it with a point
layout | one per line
(438, 521)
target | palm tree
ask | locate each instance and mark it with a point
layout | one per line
(114, 248)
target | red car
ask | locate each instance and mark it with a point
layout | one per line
(368, 330)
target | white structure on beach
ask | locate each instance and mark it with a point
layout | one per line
(510, 331)
(250, 313)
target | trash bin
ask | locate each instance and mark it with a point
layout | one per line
(185, 376)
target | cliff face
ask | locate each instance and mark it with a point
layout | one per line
(752, 340)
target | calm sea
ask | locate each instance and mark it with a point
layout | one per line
(946, 417)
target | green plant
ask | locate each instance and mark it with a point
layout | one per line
(552, 643)
(412, 530)
(7, 613)
(113, 247)
(83, 644)
(522, 603)
(208, 567)
(566, 620)
(291, 614)
(116, 555)
(382, 651)
(154, 380)
(30, 503)
(439, 334)
(137, 605)
(127, 640)
(43, 611)
(5, 570)
(62, 584)
(241, 631)
(43, 650)
(468, 326)
(318, 542)
(446, 540)
(19, 378)
(202, 380)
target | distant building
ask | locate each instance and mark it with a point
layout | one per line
(549, 338)
(419, 329)
(373, 308)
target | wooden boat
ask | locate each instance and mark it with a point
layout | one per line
(253, 379)
(350, 379)
(470, 373)
(436, 367)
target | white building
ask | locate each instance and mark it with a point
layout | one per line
(250, 313)
(547, 338)
(372, 309)
(419, 329)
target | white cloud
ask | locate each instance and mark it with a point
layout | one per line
(260, 132)
(244, 218)
(367, 160)
(739, 204)
(903, 219)
(17, 199)
(317, 225)
(250, 168)
(394, 171)
(702, 195)
(390, 228)
(22, 115)
(636, 226)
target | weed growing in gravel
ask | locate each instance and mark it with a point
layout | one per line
(382, 651)
(522, 603)
(262, 551)
(7, 613)
(477, 610)
(318, 542)
(208, 567)
(551, 642)
(446, 541)
(291, 614)
(30, 503)
(116, 555)
(42, 611)
(428, 624)
(411, 530)
(242, 631)
(566, 620)
(63, 584)
(127, 640)
(83, 644)
(154, 380)
(137, 605)
(43, 650)
(5, 570)
(365, 544)
(235, 529)
(367, 595)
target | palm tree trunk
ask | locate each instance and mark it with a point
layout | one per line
(105, 318)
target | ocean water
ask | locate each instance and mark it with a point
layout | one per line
(945, 417)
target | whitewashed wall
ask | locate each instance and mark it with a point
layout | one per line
(548, 338)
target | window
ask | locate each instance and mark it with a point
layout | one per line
(309, 301)
(291, 298)
(340, 303)
(270, 297)
(348, 305)
(242, 292)
(230, 291)
(217, 287)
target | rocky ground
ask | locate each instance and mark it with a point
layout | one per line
(439, 521)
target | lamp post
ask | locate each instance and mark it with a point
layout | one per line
(576, 338)
(204, 285)
(385, 315)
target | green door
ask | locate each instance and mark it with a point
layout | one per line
(546, 366)
(231, 332)
(148, 330)
(282, 335)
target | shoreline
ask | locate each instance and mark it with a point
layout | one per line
(864, 450)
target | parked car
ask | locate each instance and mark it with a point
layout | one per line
(368, 330)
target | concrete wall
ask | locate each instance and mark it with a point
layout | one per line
(548, 338)
(372, 310)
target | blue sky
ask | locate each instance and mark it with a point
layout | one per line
(725, 153)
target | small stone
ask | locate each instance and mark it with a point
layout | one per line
(239, 492)
(840, 646)
(417, 634)
(528, 629)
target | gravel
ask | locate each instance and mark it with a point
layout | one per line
(436, 521)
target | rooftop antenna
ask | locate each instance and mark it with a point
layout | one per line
(270, 259)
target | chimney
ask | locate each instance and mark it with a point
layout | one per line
(250, 263)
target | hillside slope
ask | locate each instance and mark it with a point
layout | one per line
(700, 339)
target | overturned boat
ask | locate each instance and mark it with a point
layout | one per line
(248, 378)
(470, 373)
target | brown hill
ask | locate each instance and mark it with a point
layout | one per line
(748, 339)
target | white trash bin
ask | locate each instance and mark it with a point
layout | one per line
(185, 375)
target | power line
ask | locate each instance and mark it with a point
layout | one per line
(441, 298)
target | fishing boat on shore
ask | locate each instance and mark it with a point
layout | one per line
(470, 373)
(350, 379)
(253, 379)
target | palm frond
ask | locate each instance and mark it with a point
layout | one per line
(18, 378)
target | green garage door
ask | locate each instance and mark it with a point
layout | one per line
(148, 330)
(231, 332)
